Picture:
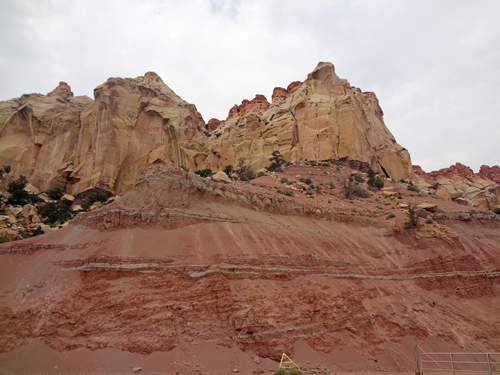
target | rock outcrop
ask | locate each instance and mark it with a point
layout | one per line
(80, 144)
(321, 119)
(461, 185)
(133, 123)
(38, 135)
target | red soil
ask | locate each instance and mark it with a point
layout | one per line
(209, 276)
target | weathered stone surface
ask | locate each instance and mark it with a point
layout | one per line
(63, 90)
(214, 124)
(12, 211)
(428, 206)
(324, 118)
(390, 191)
(461, 185)
(133, 123)
(10, 234)
(31, 189)
(38, 135)
(221, 177)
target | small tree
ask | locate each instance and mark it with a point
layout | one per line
(55, 211)
(242, 167)
(276, 161)
(228, 169)
(204, 172)
(55, 194)
(412, 212)
(17, 193)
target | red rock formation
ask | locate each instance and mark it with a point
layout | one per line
(214, 124)
(455, 172)
(490, 173)
(280, 94)
(258, 104)
(63, 90)
(153, 76)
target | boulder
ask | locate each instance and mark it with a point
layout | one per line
(31, 189)
(29, 211)
(4, 221)
(76, 207)
(428, 207)
(390, 191)
(44, 197)
(95, 206)
(68, 198)
(10, 235)
(12, 211)
(221, 177)
(46, 228)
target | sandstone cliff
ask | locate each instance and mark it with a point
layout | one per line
(133, 123)
(80, 144)
(461, 185)
(38, 135)
(321, 119)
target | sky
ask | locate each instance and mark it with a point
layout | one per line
(433, 64)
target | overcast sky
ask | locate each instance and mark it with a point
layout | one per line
(434, 64)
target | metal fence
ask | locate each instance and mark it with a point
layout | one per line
(460, 363)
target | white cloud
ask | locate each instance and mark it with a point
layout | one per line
(433, 65)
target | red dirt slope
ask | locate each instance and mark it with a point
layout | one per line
(184, 260)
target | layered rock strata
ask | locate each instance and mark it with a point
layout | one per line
(461, 185)
(184, 259)
(321, 119)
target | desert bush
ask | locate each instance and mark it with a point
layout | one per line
(55, 194)
(4, 238)
(308, 181)
(429, 221)
(204, 172)
(412, 187)
(185, 169)
(313, 163)
(290, 182)
(280, 371)
(420, 212)
(339, 163)
(309, 192)
(56, 211)
(412, 212)
(228, 169)
(358, 191)
(296, 371)
(318, 189)
(19, 196)
(379, 183)
(325, 164)
(331, 184)
(359, 178)
(289, 193)
(408, 224)
(284, 180)
(249, 175)
(390, 215)
(301, 179)
(38, 232)
(497, 211)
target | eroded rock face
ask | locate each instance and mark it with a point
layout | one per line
(80, 144)
(38, 135)
(63, 91)
(461, 185)
(321, 119)
(133, 123)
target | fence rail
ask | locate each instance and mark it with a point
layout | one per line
(458, 363)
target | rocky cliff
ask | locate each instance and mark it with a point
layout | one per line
(80, 144)
(321, 119)
(461, 185)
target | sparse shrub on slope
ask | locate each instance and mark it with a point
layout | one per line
(204, 172)
(55, 194)
(19, 196)
(358, 191)
(55, 211)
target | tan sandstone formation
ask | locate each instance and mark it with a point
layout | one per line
(133, 123)
(322, 119)
(461, 185)
(80, 144)
(38, 135)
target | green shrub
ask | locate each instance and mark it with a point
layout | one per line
(358, 191)
(408, 224)
(390, 215)
(308, 181)
(204, 172)
(412, 187)
(55, 194)
(313, 163)
(7, 169)
(38, 232)
(295, 371)
(249, 174)
(339, 163)
(280, 372)
(301, 179)
(185, 169)
(309, 192)
(276, 162)
(421, 212)
(429, 221)
(379, 183)
(86, 205)
(290, 182)
(284, 180)
(56, 211)
(325, 164)
(331, 184)
(497, 211)
(289, 193)
(228, 169)
(4, 237)
(359, 178)
(19, 196)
